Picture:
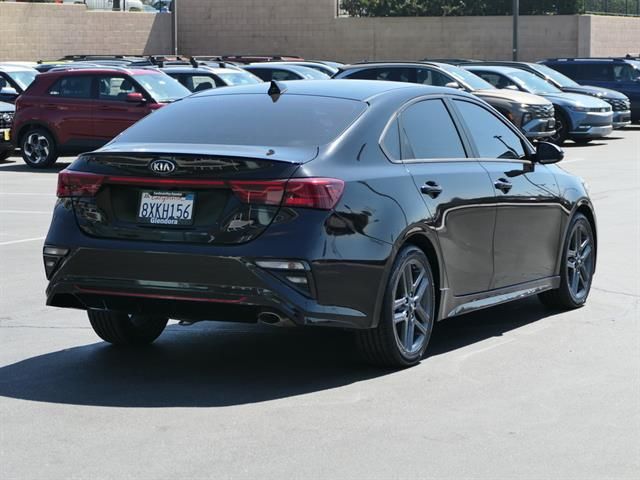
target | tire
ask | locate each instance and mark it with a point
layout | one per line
(406, 319)
(570, 295)
(562, 128)
(39, 148)
(126, 330)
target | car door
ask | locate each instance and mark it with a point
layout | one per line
(69, 105)
(457, 193)
(114, 113)
(529, 208)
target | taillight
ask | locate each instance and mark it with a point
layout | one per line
(318, 193)
(262, 192)
(78, 184)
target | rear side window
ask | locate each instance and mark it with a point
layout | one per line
(393, 74)
(391, 141)
(77, 86)
(492, 137)
(248, 119)
(428, 131)
(599, 71)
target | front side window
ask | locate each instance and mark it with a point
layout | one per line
(426, 76)
(77, 86)
(492, 137)
(428, 132)
(238, 78)
(115, 88)
(393, 74)
(625, 73)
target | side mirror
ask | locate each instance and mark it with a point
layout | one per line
(453, 85)
(135, 98)
(548, 153)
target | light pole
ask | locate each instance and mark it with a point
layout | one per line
(516, 14)
(174, 12)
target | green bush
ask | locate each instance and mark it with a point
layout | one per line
(415, 8)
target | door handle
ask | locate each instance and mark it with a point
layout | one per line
(503, 185)
(431, 188)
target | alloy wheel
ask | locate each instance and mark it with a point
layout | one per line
(36, 147)
(579, 262)
(411, 307)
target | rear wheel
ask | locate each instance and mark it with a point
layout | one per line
(123, 329)
(38, 148)
(578, 265)
(405, 325)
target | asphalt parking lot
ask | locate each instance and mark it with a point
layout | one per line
(515, 391)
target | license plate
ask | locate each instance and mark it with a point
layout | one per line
(5, 135)
(166, 208)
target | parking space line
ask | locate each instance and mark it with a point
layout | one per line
(24, 240)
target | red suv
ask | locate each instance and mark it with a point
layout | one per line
(72, 111)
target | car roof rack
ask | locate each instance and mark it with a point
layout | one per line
(452, 61)
(246, 58)
(587, 59)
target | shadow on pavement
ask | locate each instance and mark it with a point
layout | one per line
(214, 364)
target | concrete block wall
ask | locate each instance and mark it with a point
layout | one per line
(312, 29)
(32, 31)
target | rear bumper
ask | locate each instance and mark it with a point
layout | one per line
(208, 282)
(187, 287)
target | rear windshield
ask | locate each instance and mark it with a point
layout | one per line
(248, 119)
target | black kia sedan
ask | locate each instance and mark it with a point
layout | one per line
(379, 207)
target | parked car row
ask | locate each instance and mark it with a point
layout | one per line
(80, 102)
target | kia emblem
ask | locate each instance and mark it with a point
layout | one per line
(162, 167)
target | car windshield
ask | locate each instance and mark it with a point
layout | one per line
(248, 119)
(467, 78)
(556, 76)
(162, 87)
(532, 83)
(239, 78)
(23, 78)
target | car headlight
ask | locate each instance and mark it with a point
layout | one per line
(6, 117)
(525, 106)
(576, 108)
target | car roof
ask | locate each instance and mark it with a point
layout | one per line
(100, 70)
(589, 60)
(194, 70)
(361, 90)
(383, 63)
(493, 68)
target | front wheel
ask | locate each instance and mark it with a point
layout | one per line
(577, 267)
(406, 321)
(562, 129)
(123, 329)
(38, 148)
